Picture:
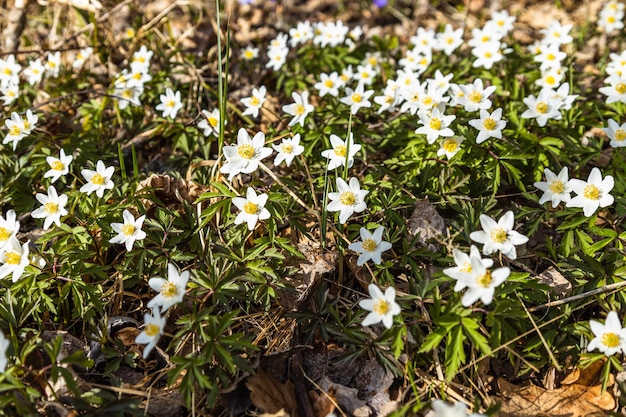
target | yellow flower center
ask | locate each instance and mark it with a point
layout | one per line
(249, 54)
(169, 289)
(550, 57)
(128, 229)
(12, 258)
(171, 103)
(489, 123)
(329, 83)
(550, 80)
(435, 123)
(50, 208)
(449, 40)
(620, 88)
(488, 54)
(427, 101)
(498, 235)
(299, 109)
(381, 307)
(450, 145)
(620, 135)
(340, 150)
(97, 179)
(356, 97)
(466, 267)
(475, 97)
(591, 192)
(369, 245)
(15, 131)
(250, 208)
(347, 198)
(610, 339)
(213, 121)
(365, 74)
(152, 329)
(7, 71)
(485, 279)
(246, 151)
(254, 101)
(485, 38)
(611, 19)
(287, 148)
(4, 234)
(557, 187)
(542, 107)
(57, 166)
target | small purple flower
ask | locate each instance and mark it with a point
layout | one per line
(379, 3)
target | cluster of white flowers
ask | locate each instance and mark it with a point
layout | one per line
(486, 42)
(554, 94)
(475, 273)
(128, 85)
(170, 292)
(590, 195)
(615, 91)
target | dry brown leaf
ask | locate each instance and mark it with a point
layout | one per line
(323, 403)
(553, 278)
(347, 398)
(271, 396)
(170, 190)
(427, 222)
(580, 396)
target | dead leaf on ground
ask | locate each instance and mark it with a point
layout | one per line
(323, 403)
(579, 396)
(427, 222)
(553, 278)
(270, 395)
(170, 190)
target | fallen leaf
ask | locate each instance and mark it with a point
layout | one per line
(271, 396)
(579, 396)
(553, 278)
(323, 403)
(426, 222)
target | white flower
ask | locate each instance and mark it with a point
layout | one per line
(450, 146)
(4, 346)
(371, 246)
(476, 96)
(52, 207)
(459, 409)
(9, 71)
(10, 93)
(16, 128)
(277, 57)
(34, 72)
(14, 259)
(152, 331)
(542, 108)
(170, 103)
(98, 180)
(348, 199)
(82, 56)
(328, 84)
(616, 91)
(448, 40)
(299, 109)
(249, 53)
(357, 99)
(499, 236)
(556, 188)
(170, 290)
(58, 166)
(487, 54)
(141, 59)
(210, 122)
(381, 307)
(593, 193)
(252, 208)
(556, 33)
(53, 64)
(288, 149)
(255, 102)
(341, 151)
(610, 337)
(29, 121)
(246, 155)
(8, 227)
(435, 125)
(617, 133)
(489, 125)
(129, 231)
